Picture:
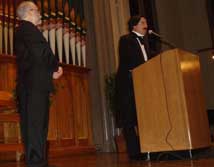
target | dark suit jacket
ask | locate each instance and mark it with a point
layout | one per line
(130, 56)
(35, 60)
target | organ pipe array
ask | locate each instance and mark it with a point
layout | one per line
(63, 26)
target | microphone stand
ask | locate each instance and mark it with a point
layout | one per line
(162, 40)
(167, 43)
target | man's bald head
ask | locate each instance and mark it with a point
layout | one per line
(28, 10)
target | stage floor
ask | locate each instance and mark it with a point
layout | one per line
(114, 160)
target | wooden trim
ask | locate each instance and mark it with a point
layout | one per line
(7, 59)
(61, 143)
(83, 142)
(66, 67)
(62, 151)
(9, 117)
(11, 147)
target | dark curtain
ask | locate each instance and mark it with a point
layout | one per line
(147, 8)
(210, 12)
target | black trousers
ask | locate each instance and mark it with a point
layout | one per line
(132, 141)
(34, 112)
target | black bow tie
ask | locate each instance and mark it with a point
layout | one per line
(141, 39)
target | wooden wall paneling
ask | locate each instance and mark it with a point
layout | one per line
(71, 102)
(83, 139)
(87, 107)
(10, 132)
(8, 75)
(1, 85)
(11, 73)
(1, 133)
(6, 19)
(70, 124)
(3, 74)
(1, 26)
(65, 118)
(52, 131)
(79, 102)
(76, 101)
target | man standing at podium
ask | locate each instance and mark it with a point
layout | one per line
(36, 67)
(133, 51)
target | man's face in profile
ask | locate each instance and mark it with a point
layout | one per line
(35, 14)
(141, 27)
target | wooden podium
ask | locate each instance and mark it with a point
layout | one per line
(170, 103)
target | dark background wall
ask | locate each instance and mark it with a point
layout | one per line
(147, 9)
(210, 12)
(186, 24)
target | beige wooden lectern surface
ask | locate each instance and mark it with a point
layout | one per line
(170, 103)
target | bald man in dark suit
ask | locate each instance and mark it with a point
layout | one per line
(36, 68)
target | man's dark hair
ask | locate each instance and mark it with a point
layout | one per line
(133, 21)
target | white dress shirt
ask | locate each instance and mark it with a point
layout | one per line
(141, 45)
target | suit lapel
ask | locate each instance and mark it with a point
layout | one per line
(134, 36)
(137, 45)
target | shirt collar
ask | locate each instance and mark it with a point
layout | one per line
(138, 34)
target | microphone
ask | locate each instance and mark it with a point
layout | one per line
(154, 33)
(162, 39)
